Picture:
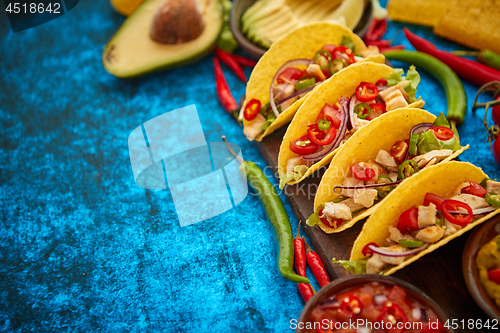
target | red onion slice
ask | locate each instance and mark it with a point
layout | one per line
(338, 139)
(365, 186)
(291, 63)
(477, 211)
(383, 252)
(352, 120)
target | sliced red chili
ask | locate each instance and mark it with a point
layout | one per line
(366, 92)
(433, 198)
(453, 205)
(398, 317)
(252, 109)
(351, 306)
(381, 82)
(474, 189)
(361, 172)
(366, 250)
(344, 50)
(377, 110)
(433, 328)
(303, 146)
(320, 137)
(443, 133)
(408, 221)
(399, 150)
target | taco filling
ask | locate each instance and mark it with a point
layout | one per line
(295, 79)
(419, 227)
(336, 123)
(368, 182)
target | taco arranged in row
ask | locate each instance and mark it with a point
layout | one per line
(376, 160)
(345, 104)
(424, 213)
(293, 66)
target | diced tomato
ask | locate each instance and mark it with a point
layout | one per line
(289, 74)
(366, 250)
(381, 82)
(366, 92)
(435, 199)
(329, 47)
(433, 328)
(361, 172)
(408, 221)
(453, 205)
(303, 146)
(494, 275)
(443, 133)
(331, 111)
(377, 110)
(397, 293)
(474, 189)
(252, 109)
(325, 221)
(399, 150)
(351, 306)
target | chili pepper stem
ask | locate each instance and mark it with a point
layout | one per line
(466, 53)
(308, 248)
(232, 151)
(298, 232)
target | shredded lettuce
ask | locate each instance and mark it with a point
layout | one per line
(356, 266)
(412, 76)
(297, 173)
(395, 77)
(441, 121)
(313, 220)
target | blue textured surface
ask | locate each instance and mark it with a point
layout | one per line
(82, 247)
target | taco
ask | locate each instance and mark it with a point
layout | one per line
(338, 108)
(424, 213)
(292, 68)
(376, 160)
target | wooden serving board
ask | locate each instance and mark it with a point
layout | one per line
(438, 274)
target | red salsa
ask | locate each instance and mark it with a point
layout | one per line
(374, 307)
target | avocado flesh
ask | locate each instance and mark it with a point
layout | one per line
(132, 52)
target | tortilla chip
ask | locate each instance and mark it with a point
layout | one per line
(424, 12)
(301, 43)
(440, 179)
(344, 83)
(474, 23)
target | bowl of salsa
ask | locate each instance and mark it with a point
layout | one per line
(371, 303)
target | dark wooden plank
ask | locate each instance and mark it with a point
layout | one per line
(438, 274)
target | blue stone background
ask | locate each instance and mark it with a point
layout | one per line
(85, 249)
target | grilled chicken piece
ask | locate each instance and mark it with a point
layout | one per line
(365, 197)
(472, 200)
(370, 50)
(441, 154)
(426, 215)
(393, 260)
(430, 234)
(283, 90)
(350, 181)
(387, 161)
(315, 70)
(375, 265)
(493, 187)
(337, 211)
(395, 100)
(450, 228)
(293, 162)
(400, 86)
(254, 128)
(396, 235)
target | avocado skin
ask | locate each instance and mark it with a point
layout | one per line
(213, 21)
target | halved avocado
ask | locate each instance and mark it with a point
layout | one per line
(132, 51)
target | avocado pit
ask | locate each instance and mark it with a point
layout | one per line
(176, 22)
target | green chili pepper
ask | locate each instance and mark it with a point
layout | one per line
(384, 190)
(336, 65)
(489, 58)
(324, 125)
(268, 122)
(407, 168)
(413, 144)
(277, 216)
(440, 221)
(324, 54)
(493, 199)
(304, 84)
(484, 182)
(409, 243)
(455, 93)
(363, 110)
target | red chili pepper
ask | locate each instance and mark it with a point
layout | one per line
(316, 266)
(469, 70)
(376, 30)
(305, 290)
(299, 252)
(454, 205)
(351, 306)
(244, 61)
(231, 63)
(379, 43)
(392, 48)
(223, 92)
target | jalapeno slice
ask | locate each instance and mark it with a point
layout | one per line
(440, 220)
(493, 199)
(407, 168)
(323, 59)
(362, 110)
(410, 243)
(384, 190)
